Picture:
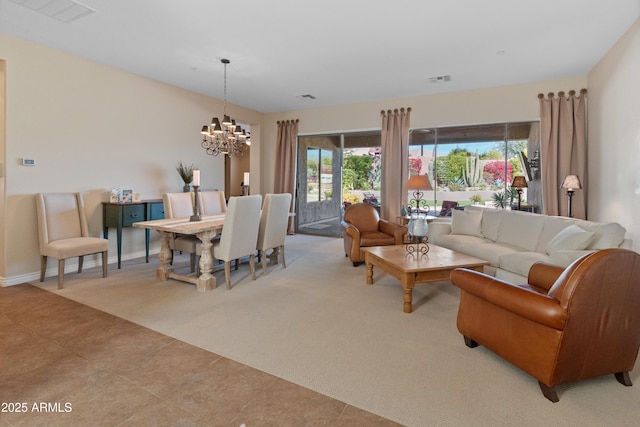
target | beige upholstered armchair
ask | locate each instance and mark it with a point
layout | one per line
(274, 221)
(361, 227)
(565, 325)
(63, 232)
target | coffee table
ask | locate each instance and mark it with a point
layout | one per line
(410, 269)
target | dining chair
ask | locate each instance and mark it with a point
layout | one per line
(180, 205)
(239, 234)
(212, 202)
(63, 232)
(274, 221)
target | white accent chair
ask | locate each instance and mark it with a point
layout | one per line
(274, 221)
(63, 232)
(239, 234)
(180, 205)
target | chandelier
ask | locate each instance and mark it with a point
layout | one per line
(224, 137)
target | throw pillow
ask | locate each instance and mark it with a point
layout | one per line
(571, 238)
(466, 222)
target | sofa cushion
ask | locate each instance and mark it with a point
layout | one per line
(490, 252)
(552, 226)
(607, 234)
(572, 237)
(521, 262)
(491, 223)
(458, 242)
(466, 222)
(521, 229)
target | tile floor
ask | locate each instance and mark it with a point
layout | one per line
(65, 363)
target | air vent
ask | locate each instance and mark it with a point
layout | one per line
(306, 96)
(440, 79)
(62, 10)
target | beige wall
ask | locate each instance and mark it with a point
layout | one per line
(89, 128)
(614, 135)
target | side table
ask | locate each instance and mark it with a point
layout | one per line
(120, 215)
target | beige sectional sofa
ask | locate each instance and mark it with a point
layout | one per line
(512, 241)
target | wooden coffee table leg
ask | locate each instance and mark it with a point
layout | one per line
(369, 274)
(407, 284)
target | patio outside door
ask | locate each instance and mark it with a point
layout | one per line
(319, 201)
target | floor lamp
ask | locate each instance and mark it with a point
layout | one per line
(571, 183)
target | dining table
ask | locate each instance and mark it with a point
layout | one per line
(204, 229)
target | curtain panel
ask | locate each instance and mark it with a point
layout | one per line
(563, 150)
(395, 148)
(285, 177)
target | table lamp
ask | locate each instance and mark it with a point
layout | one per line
(571, 183)
(519, 182)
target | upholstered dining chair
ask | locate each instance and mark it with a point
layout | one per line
(63, 232)
(274, 220)
(362, 226)
(212, 202)
(180, 205)
(564, 325)
(240, 233)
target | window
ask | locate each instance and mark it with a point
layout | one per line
(319, 174)
(470, 164)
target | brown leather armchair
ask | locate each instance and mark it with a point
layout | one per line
(361, 227)
(565, 325)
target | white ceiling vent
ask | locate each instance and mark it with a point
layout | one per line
(62, 10)
(440, 79)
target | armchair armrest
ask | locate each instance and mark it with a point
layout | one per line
(396, 230)
(543, 275)
(523, 302)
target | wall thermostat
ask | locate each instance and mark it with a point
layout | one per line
(28, 162)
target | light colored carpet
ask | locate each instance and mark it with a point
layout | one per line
(316, 323)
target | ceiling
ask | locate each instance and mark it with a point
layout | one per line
(338, 51)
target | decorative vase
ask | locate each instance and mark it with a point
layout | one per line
(403, 211)
(186, 188)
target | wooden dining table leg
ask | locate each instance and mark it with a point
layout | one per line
(206, 280)
(162, 273)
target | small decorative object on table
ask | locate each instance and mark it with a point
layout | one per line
(115, 195)
(186, 173)
(196, 204)
(418, 226)
(127, 196)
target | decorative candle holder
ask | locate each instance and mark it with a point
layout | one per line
(196, 205)
(418, 228)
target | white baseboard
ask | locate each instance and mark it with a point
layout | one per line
(70, 267)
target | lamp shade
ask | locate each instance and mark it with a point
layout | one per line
(571, 182)
(419, 182)
(519, 182)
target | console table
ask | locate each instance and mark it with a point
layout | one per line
(120, 215)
